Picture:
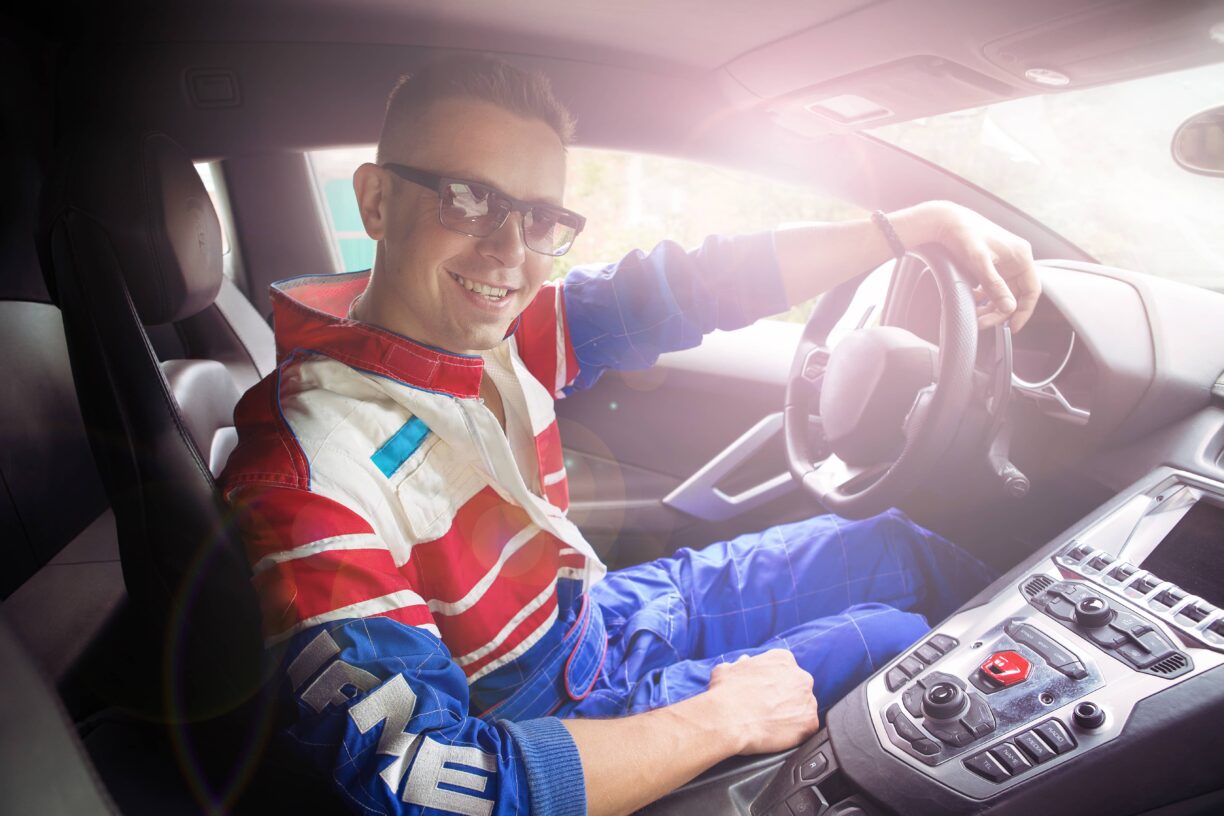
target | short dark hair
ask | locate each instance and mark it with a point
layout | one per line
(526, 93)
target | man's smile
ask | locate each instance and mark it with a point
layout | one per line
(487, 292)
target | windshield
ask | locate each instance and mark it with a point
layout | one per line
(1095, 166)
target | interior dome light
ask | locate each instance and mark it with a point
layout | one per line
(1047, 77)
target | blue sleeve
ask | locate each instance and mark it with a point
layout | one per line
(381, 709)
(624, 315)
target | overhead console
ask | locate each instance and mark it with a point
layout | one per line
(995, 51)
(1092, 657)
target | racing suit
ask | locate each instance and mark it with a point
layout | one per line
(437, 609)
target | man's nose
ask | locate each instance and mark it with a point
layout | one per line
(505, 244)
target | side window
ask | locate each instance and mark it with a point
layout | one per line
(630, 200)
(634, 201)
(333, 173)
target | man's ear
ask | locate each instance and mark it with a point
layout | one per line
(372, 188)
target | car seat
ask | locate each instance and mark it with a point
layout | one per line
(133, 241)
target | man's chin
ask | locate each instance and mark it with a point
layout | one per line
(488, 337)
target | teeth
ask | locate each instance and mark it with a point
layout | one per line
(491, 292)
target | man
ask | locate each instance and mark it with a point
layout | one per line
(451, 641)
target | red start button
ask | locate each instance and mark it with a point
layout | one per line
(1005, 669)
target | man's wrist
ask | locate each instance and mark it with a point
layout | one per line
(921, 223)
(708, 714)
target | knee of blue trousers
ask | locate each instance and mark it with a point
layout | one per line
(848, 648)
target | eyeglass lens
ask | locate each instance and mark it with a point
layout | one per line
(480, 212)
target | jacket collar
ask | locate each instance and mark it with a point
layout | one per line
(311, 315)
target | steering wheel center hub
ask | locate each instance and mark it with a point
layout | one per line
(874, 376)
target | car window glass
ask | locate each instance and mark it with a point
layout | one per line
(631, 201)
(1096, 166)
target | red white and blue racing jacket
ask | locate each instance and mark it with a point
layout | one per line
(415, 560)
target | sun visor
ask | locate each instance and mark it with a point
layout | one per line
(897, 91)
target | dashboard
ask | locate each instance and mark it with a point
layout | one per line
(1090, 677)
(1100, 659)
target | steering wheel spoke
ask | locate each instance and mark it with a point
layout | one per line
(834, 477)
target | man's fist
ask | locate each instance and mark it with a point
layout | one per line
(766, 701)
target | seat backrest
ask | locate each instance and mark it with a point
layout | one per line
(134, 241)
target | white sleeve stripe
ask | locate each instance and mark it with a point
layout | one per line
(361, 609)
(551, 479)
(500, 638)
(356, 541)
(517, 651)
(516, 543)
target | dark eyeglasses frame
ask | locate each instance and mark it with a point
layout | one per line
(437, 183)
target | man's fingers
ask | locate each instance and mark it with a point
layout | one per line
(991, 281)
(1027, 287)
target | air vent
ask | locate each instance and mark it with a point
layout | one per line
(1173, 664)
(1037, 584)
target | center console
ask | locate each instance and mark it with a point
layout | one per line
(1078, 679)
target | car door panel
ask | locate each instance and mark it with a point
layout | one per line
(635, 437)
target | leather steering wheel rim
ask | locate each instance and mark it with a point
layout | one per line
(929, 427)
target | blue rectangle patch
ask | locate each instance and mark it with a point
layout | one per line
(402, 444)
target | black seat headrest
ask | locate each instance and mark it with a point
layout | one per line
(145, 193)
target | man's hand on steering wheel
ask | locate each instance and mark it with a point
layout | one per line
(1000, 262)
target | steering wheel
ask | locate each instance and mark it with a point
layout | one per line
(889, 401)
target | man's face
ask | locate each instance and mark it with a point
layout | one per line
(424, 274)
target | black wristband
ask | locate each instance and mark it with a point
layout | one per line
(894, 241)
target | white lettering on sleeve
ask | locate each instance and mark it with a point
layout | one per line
(392, 704)
(393, 701)
(429, 771)
(321, 649)
(328, 687)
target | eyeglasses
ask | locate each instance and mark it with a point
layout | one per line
(478, 211)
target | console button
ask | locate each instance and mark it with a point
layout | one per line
(1034, 747)
(1010, 757)
(927, 653)
(813, 767)
(912, 700)
(944, 643)
(1052, 653)
(804, 802)
(1056, 736)
(951, 732)
(1107, 637)
(911, 666)
(1088, 715)
(979, 718)
(1003, 669)
(895, 678)
(906, 729)
(985, 765)
(928, 747)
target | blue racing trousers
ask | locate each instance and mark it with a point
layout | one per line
(843, 596)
